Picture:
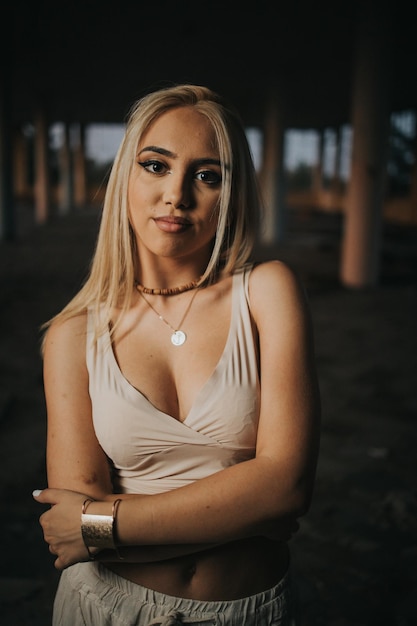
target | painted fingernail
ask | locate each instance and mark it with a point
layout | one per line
(36, 492)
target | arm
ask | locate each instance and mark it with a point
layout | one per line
(75, 460)
(74, 457)
(262, 495)
(257, 496)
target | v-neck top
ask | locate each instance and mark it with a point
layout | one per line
(152, 452)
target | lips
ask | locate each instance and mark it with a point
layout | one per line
(172, 223)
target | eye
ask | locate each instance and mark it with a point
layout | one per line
(209, 177)
(153, 166)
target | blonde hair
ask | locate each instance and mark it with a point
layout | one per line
(114, 264)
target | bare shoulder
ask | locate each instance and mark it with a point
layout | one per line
(274, 286)
(275, 271)
(68, 336)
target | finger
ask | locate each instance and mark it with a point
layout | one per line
(46, 496)
(61, 563)
(58, 564)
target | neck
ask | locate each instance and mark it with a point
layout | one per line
(167, 291)
(166, 270)
(166, 277)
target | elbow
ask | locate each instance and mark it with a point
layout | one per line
(303, 495)
(282, 524)
(300, 490)
(296, 503)
(302, 504)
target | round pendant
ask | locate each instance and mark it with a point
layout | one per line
(178, 338)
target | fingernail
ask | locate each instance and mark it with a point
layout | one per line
(36, 492)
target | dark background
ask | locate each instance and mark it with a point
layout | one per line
(356, 553)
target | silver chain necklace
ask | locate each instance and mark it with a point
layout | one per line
(178, 337)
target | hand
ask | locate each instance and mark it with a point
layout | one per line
(61, 525)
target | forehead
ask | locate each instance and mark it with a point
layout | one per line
(181, 129)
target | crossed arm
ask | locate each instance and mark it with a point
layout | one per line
(262, 496)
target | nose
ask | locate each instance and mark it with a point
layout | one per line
(177, 192)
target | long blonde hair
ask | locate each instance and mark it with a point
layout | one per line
(114, 264)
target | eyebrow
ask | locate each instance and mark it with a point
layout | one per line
(172, 155)
(162, 151)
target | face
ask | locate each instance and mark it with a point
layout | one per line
(174, 187)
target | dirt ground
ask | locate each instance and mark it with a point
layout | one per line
(355, 556)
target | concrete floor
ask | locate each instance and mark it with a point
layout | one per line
(355, 555)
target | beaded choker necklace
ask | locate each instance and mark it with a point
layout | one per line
(167, 291)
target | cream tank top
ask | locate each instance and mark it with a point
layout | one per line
(152, 452)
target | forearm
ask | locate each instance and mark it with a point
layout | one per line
(147, 553)
(241, 501)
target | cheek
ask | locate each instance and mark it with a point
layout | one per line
(135, 211)
(131, 195)
(134, 192)
(214, 218)
(138, 199)
(209, 228)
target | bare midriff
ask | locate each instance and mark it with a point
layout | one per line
(228, 572)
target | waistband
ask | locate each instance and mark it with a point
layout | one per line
(144, 595)
(113, 594)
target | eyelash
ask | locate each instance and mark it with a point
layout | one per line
(147, 165)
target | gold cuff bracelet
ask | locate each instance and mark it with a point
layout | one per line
(98, 531)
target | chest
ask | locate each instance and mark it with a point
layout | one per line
(169, 375)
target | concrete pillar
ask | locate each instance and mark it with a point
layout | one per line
(80, 177)
(317, 169)
(336, 180)
(66, 195)
(271, 176)
(370, 123)
(42, 177)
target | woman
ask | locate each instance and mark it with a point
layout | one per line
(183, 411)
